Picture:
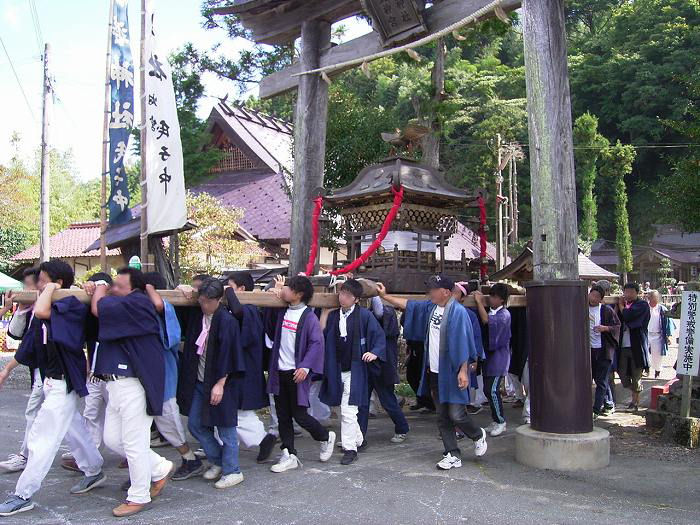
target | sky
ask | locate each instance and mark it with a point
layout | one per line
(76, 31)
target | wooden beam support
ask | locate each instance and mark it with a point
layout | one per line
(437, 18)
(310, 120)
(258, 298)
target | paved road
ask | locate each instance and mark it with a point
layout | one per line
(389, 484)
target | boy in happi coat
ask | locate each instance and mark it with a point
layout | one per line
(497, 320)
(251, 430)
(354, 339)
(444, 326)
(384, 374)
(18, 329)
(633, 355)
(129, 357)
(211, 373)
(57, 334)
(297, 351)
(169, 423)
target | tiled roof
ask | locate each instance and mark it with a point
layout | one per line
(268, 137)
(261, 194)
(71, 242)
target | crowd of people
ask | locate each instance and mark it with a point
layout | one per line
(141, 364)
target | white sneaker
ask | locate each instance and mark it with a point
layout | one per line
(67, 455)
(526, 421)
(200, 453)
(327, 447)
(480, 445)
(212, 473)
(229, 480)
(498, 429)
(287, 462)
(398, 438)
(491, 426)
(449, 461)
(14, 463)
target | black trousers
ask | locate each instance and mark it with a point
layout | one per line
(414, 368)
(451, 415)
(492, 389)
(288, 408)
(600, 368)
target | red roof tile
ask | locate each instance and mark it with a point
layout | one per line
(71, 242)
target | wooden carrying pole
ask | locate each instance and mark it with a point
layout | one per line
(105, 145)
(144, 189)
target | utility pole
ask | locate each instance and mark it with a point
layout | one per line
(44, 247)
(105, 146)
(500, 260)
(144, 189)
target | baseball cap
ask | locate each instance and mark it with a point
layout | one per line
(440, 281)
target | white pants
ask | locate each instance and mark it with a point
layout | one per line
(128, 433)
(478, 398)
(170, 424)
(350, 433)
(518, 389)
(526, 386)
(319, 411)
(250, 429)
(95, 408)
(36, 397)
(57, 418)
(656, 345)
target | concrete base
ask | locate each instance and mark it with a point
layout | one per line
(543, 450)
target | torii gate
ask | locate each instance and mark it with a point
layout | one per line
(562, 434)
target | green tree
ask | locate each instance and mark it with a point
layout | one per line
(616, 164)
(665, 273)
(588, 146)
(12, 241)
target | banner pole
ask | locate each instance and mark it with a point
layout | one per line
(144, 188)
(105, 146)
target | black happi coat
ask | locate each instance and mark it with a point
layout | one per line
(224, 358)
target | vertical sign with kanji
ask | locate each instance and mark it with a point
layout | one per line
(164, 168)
(689, 341)
(121, 118)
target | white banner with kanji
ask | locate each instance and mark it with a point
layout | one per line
(164, 169)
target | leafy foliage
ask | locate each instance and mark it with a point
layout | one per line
(665, 272)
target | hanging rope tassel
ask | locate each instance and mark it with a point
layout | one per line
(482, 238)
(354, 265)
(315, 229)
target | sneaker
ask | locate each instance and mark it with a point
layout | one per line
(350, 456)
(459, 435)
(287, 462)
(657, 374)
(128, 508)
(88, 483)
(266, 446)
(398, 438)
(480, 445)
(70, 464)
(189, 469)
(449, 461)
(327, 447)
(633, 407)
(229, 480)
(67, 455)
(14, 463)
(498, 429)
(491, 426)
(363, 446)
(526, 421)
(200, 453)
(474, 409)
(212, 473)
(15, 505)
(610, 409)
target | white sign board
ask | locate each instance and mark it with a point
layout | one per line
(689, 341)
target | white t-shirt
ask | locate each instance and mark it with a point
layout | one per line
(434, 338)
(626, 343)
(655, 320)
(594, 318)
(287, 360)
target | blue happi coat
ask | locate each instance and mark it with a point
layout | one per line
(130, 326)
(65, 335)
(170, 335)
(456, 346)
(366, 336)
(254, 395)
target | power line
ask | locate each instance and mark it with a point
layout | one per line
(19, 83)
(37, 26)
